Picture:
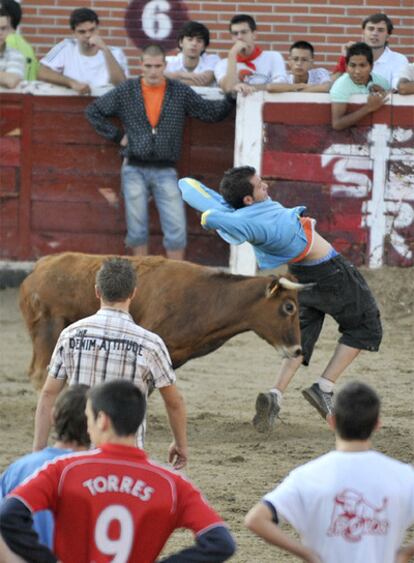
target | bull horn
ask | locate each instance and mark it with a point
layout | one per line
(289, 284)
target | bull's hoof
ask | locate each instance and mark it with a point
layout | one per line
(267, 410)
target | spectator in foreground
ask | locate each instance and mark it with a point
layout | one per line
(85, 61)
(152, 110)
(12, 64)
(193, 65)
(352, 504)
(377, 30)
(302, 76)
(358, 79)
(114, 487)
(406, 80)
(247, 64)
(110, 345)
(17, 41)
(69, 422)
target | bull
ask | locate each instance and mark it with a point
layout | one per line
(195, 309)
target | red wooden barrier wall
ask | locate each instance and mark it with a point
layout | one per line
(60, 186)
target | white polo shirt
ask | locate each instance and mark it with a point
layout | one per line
(269, 64)
(175, 63)
(389, 66)
(66, 59)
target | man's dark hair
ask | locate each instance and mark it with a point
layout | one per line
(356, 409)
(194, 29)
(69, 415)
(235, 185)
(302, 45)
(153, 51)
(360, 49)
(82, 15)
(243, 18)
(122, 402)
(377, 18)
(13, 10)
(116, 279)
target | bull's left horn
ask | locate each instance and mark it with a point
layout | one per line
(289, 284)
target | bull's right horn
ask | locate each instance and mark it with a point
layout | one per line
(289, 284)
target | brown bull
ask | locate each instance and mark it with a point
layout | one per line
(195, 309)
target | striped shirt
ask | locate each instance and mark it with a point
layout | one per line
(12, 61)
(109, 345)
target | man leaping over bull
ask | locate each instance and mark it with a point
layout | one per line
(244, 212)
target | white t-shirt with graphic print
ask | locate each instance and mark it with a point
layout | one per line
(349, 507)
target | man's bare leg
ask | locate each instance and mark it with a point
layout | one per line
(342, 357)
(141, 250)
(176, 254)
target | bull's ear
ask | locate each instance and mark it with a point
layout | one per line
(272, 288)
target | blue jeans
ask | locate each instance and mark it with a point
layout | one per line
(138, 184)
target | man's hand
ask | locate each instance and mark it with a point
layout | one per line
(376, 100)
(238, 47)
(344, 48)
(177, 456)
(404, 554)
(244, 89)
(80, 87)
(97, 41)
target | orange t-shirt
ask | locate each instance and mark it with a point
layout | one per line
(153, 99)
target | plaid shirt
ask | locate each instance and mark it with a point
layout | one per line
(109, 345)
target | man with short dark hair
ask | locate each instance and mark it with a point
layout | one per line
(152, 110)
(351, 505)
(192, 65)
(244, 212)
(247, 63)
(109, 345)
(302, 77)
(359, 79)
(376, 32)
(69, 422)
(85, 61)
(113, 503)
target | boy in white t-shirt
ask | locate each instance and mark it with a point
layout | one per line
(351, 505)
(85, 61)
(193, 65)
(302, 77)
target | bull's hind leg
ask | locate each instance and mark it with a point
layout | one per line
(44, 335)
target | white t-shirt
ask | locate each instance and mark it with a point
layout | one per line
(389, 65)
(66, 58)
(407, 72)
(315, 76)
(349, 507)
(269, 64)
(175, 63)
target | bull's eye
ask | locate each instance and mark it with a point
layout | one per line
(289, 308)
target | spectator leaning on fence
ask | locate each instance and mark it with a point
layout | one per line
(302, 76)
(359, 79)
(85, 61)
(246, 62)
(406, 80)
(193, 65)
(17, 41)
(11, 61)
(377, 30)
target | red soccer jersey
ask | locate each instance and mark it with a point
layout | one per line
(113, 504)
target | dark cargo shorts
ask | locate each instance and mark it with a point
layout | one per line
(341, 292)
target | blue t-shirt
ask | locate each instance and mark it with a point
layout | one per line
(275, 231)
(17, 472)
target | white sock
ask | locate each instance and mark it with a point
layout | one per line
(325, 385)
(279, 394)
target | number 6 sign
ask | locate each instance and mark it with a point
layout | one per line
(155, 21)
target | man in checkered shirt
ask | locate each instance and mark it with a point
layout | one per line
(109, 345)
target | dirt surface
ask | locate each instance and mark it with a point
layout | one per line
(233, 464)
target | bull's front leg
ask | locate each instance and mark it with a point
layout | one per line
(44, 336)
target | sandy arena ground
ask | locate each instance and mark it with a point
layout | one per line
(233, 464)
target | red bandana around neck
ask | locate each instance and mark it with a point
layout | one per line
(247, 59)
